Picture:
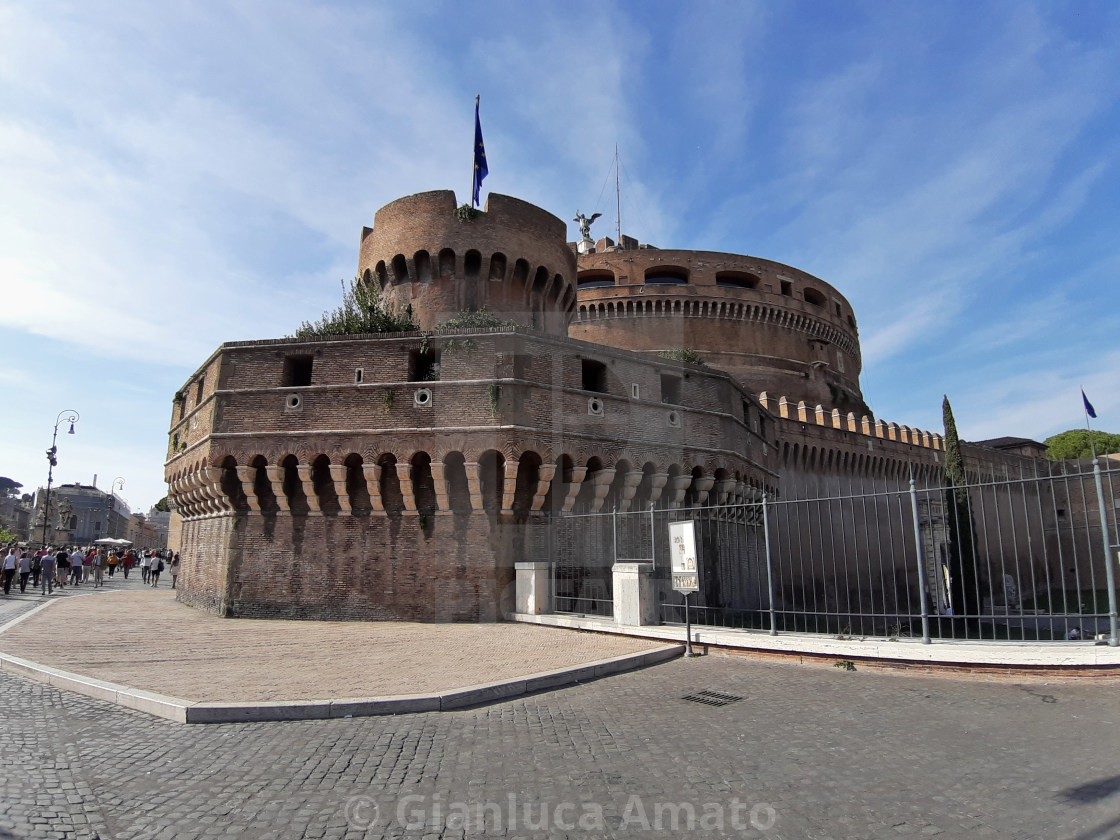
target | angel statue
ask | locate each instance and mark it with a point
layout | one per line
(585, 223)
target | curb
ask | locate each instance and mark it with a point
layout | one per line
(188, 711)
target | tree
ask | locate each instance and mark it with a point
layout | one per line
(7, 536)
(962, 536)
(161, 505)
(361, 312)
(8, 486)
(1075, 444)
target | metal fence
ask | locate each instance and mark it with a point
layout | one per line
(1009, 557)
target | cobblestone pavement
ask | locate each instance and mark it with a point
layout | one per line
(808, 752)
(145, 639)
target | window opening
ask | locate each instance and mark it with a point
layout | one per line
(594, 376)
(670, 389)
(423, 365)
(297, 371)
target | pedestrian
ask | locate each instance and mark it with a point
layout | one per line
(156, 568)
(11, 562)
(87, 564)
(75, 558)
(24, 571)
(126, 564)
(146, 566)
(49, 568)
(62, 570)
(114, 561)
(174, 570)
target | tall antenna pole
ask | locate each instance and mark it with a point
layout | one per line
(617, 199)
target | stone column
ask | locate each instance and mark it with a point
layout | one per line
(338, 476)
(276, 479)
(404, 475)
(578, 474)
(629, 487)
(602, 482)
(544, 479)
(532, 587)
(248, 477)
(678, 486)
(509, 485)
(442, 487)
(372, 474)
(304, 471)
(474, 484)
(635, 600)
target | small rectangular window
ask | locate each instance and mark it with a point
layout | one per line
(358, 374)
(636, 391)
(594, 376)
(297, 371)
(423, 365)
(670, 389)
(198, 391)
(787, 288)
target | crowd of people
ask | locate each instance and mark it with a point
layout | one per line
(56, 567)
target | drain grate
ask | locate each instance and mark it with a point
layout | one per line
(712, 698)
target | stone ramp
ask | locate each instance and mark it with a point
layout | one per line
(145, 650)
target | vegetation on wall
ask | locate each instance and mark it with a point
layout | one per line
(478, 319)
(362, 311)
(682, 354)
(962, 539)
(1075, 444)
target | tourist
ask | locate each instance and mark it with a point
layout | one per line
(99, 568)
(113, 562)
(87, 563)
(24, 571)
(11, 561)
(77, 558)
(36, 567)
(156, 568)
(174, 570)
(145, 566)
(49, 567)
(126, 564)
(62, 569)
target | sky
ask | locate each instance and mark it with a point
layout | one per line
(178, 174)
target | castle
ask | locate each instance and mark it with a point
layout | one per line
(402, 475)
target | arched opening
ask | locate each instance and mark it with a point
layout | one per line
(558, 488)
(472, 264)
(595, 277)
(390, 484)
(491, 475)
(814, 297)
(446, 264)
(262, 487)
(528, 477)
(458, 489)
(666, 274)
(293, 486)
(423, 486)
(520, 277)
(400, 270)
(380, 273)
(423, 263)
(356, 486)
(498, 267)
(737, 279)
(324, 485)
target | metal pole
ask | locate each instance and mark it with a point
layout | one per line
(1110, 577)
(52, 460)
(687, 628)
(769, 568)
(921, 564)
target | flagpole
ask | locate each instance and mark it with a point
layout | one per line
(474, 151)
(1088, 428)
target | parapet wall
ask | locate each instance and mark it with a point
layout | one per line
(863, 425)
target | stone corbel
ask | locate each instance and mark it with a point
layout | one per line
(678, 486)
(702, 485)
(442, 486)
(248, 476)
(372, 474)
(602, 483)
(304, 471)
(338, 476)
(276, 479)
(544, 479)
(578, 474)
(509, 485)
(630, 483)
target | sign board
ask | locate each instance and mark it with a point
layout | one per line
(682, 556)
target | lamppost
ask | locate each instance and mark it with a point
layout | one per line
(109, 503)
(71, 418)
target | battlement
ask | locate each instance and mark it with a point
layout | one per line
(864, 425)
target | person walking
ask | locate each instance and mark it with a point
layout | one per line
(24, 571)
(87, 565)
(62, 569)
(146, 566)
(99, 568)
(49, 568)
(126, 564)
(11, 562)
(36, 568)
(174, 570)
(114, 561)
(156, 568)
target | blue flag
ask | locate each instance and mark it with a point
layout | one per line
(480, 169)
(1088, 405)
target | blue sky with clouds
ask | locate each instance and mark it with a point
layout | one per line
(178, 174)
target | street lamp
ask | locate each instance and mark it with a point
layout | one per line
(109, 503)
(71, 417)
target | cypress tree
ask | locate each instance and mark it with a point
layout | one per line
(962, 534)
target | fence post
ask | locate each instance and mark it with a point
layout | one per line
(652, 536)
(921, 564)
(614, 532)
(769, 568)
(1110, 577)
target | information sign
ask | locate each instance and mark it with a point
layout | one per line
(682, 556)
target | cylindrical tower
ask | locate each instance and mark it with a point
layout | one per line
(773, 327)
(435, 261)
